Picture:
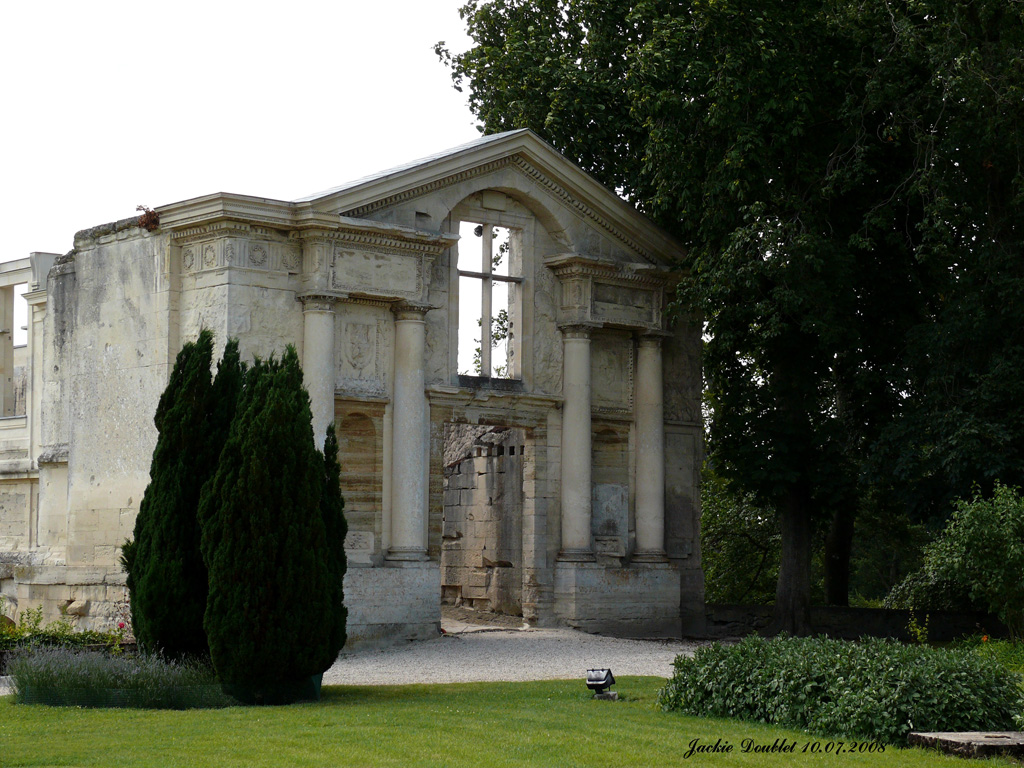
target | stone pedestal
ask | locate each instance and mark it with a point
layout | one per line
(639, 601)
(393, 604)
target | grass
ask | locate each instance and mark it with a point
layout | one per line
(475, 724)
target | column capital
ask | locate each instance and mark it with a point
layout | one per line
(652, 340)
(577, 330)
(318, 302)
(410, 310)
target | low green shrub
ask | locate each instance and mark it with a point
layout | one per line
(1006, 652)
(873, 689)
(979, 556)
(30, 630)
(74, 677)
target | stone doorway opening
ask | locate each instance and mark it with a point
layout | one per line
(482, 522)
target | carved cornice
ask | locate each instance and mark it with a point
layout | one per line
(364, 236)
(580, 207)
(535, 175)
(218, 207)
(364, 300)
(423, 189)
(575, 265)
(217, 229)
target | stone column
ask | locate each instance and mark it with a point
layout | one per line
(318, 360)
(650, 453)
(576, 452)
(410, 454)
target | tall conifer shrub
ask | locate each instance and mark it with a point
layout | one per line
(167, 577)
(332, 507)
(271, 614)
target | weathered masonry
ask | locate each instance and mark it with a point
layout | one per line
(494, 285)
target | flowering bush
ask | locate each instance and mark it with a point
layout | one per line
(30, 631)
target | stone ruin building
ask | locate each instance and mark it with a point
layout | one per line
(519, 420)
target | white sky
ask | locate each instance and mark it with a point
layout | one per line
(109, 105)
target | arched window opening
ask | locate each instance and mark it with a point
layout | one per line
(490, 298)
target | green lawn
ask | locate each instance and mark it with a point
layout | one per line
(553, 723)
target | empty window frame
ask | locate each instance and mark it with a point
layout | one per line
(490, 297)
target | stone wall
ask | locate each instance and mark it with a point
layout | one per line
(851, 623)
(482, 533)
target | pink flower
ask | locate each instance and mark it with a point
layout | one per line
(120, 625)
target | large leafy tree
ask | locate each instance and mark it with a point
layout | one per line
(830, 166)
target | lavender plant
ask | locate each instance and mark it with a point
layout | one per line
(75, 677)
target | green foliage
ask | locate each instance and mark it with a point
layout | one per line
(332, 509)
(166, 575)
(77, 678)
(918, 629)
(30, 631)
(874, 689)
(270, 614)
(846, 177)
(1006, 652)
(980, 552)
(739, 545)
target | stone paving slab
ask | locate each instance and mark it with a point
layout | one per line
(973, 743)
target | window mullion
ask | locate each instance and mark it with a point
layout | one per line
(485, 296)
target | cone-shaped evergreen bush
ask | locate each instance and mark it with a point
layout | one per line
(167, 577)
(270, 610)
(332, 507)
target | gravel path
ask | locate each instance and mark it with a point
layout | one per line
(491, 654)
(481, 653)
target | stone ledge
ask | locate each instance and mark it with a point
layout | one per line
(973, 743)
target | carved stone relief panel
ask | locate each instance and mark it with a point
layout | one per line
(361, 350)
(622, 304)
(611, 371)
(610, 519)
(372, 273)
(576, 299)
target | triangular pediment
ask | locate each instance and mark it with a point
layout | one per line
(522, 152)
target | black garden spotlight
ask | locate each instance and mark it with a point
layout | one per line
(599, 680)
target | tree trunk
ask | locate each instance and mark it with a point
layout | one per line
(793, 593)
(838, 544)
